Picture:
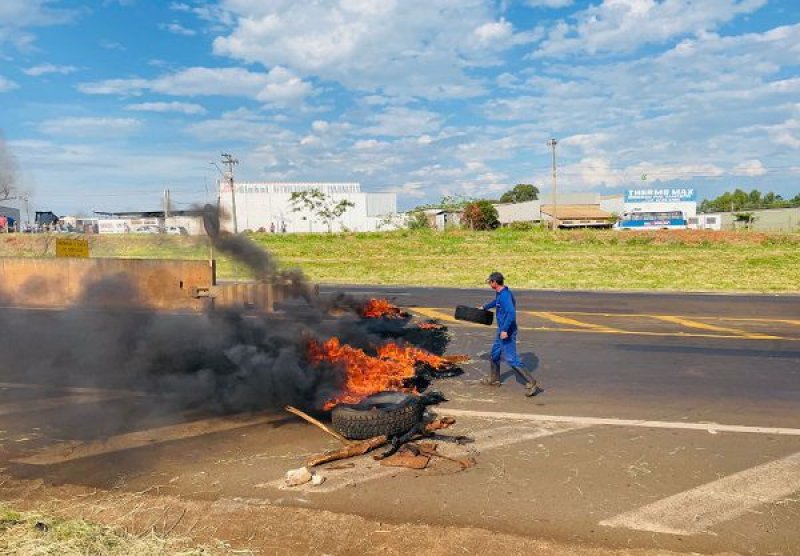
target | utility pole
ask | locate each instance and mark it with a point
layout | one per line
(166, 203)
(552, 144)
(230, 162)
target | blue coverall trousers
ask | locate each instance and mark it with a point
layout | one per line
(506, 349)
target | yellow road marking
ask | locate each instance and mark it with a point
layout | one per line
(432, 313)
(559, 319)
(705, 326)
(731, 334)
(645, 315)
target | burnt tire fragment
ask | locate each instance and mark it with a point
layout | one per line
(473, 314)
(389, 413)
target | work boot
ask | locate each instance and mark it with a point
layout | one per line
(493, 378)
(531, 388)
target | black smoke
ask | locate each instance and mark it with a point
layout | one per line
(220, 361)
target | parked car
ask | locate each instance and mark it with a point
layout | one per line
(177, 231)
(150, 229)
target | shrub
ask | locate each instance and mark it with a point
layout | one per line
(418, 221)
(523, 226)
(480, 215)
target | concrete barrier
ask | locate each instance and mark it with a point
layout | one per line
(158, 284)
(257, 296)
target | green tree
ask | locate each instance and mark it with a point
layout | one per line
(739, 200)
(320, 205)
(417, 220)
(521, 193)
(480, 215)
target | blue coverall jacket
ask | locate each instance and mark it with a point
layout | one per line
(506, 316)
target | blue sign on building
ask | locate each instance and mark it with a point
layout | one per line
(661, 195)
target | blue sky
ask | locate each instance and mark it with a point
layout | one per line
(104, 104)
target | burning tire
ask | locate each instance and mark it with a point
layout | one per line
(473, 314)
(388, 413)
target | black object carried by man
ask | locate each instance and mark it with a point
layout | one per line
(473, 314)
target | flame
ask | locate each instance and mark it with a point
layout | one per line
(364, 374)
(410, 356)
(393, 368)
(381, 308)
(429, 325)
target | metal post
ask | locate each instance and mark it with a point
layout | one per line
(230, 162)
(552, 144)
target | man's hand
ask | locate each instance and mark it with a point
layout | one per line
(504, 335)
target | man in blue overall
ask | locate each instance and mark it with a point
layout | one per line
(505, 341)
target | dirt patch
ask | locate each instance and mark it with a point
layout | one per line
(240, 524)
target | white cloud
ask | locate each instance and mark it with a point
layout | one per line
(44, 69)
(400, 121)
(598, 171)
(626, 25)
(17, 16)
(181, 107)
(494, 32)
(112, 45)
(587, 142)
(368, 44)
(90, 127)
(177, 29)
(240, 125)
(786, 134)
(749, 168)
(367, 144)
(671, 106)
(277, 86)
(7, 84)
(216, 15)
(549, 3)
(123, 181)
(27, 13)
(283, 87)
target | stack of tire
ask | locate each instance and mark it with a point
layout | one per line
(389, 413)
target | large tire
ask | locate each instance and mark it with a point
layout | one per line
(473, 314)
(388, 413)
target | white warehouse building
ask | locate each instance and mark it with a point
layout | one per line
(267, 206)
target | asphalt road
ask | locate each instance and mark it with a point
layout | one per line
(666, 421)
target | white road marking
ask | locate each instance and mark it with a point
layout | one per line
(366, 469)
(695, 511)
(712, 428)
(68, 451)
(52, 403)
(70, 389)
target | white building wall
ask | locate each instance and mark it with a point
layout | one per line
(381, 204)
(613, 204)
(263, 205)
(529, 211)
(192, 224)
(113, 226)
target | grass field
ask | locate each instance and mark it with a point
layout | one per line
(35, 533)
(670, 260)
